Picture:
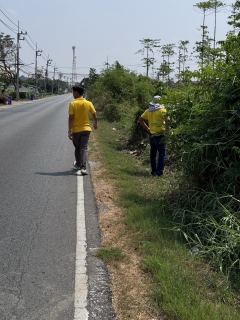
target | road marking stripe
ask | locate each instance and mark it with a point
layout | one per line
(81, 279)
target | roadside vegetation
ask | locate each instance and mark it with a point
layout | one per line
(187, 224)
(183, 284)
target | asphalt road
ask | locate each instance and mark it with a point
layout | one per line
(38, 199)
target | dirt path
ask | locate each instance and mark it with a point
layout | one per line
(131, 287)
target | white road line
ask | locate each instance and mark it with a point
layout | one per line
(81, 279)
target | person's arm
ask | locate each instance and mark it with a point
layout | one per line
(167, 121)
(143, 124)
(70, 124)
(167, 118)
(94, 115)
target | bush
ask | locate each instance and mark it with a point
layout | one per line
(12, 93)
(22, 95)
(112, 112)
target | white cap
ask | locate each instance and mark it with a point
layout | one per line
(156, 98)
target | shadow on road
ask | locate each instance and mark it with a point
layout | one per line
(60, 174)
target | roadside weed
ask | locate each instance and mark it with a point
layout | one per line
(109, 254)
(185, 285)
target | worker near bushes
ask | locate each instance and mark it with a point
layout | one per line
(156, 119)
(79, 128)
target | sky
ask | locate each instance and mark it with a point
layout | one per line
(103, 31)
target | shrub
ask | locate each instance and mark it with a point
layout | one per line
(111, 112)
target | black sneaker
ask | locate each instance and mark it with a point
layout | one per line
(76, 165)
(157, 175)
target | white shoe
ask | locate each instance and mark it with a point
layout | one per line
(84, 172)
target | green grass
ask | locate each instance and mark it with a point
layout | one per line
(185, 287)
(109, 254)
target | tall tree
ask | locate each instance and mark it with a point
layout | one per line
(234, 18)
(216, 6)
(7, 59)
(203, 48)
(168, 51)
(93, 76)
(163, 71)
(148, 46)
(182, 56)
(203, 7)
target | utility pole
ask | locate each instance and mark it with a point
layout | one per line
(54, 69)
(46, 73)
(106, 63)
(60, 82)
(38, 53)
(74, 75)
(64, 77)
(147, 60)
(18, 47)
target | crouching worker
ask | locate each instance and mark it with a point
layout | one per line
(156, 119)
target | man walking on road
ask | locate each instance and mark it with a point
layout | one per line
(79, 128)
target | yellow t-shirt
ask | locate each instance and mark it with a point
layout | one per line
(80, 108)
(156, 120)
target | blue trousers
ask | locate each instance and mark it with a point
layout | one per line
(158, 155)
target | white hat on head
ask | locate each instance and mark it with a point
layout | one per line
(154, 104)
(156, 98)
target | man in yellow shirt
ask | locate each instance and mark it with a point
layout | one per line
(79, 128)
(156, 117)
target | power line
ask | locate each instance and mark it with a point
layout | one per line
(82, 67)
(30, 45)
(16, 31)
(10, 28)
(10, 19)
(38, 47)
(44, 56)
(69, 73)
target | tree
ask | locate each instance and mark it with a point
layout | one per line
(7, 59)
(203, 48)
(182, 56)
(168, 51)
(93, 76)
(148, 46)
(164, 70)
(216, 6)
(235, 16)
(204, 7)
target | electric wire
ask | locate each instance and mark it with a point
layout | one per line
(30, 45)
(10, 19)
(10, 28)
(43, 54)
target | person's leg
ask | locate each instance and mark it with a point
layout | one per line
(162, 156)
(84, 138)
(76, 143)
(153, 154)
